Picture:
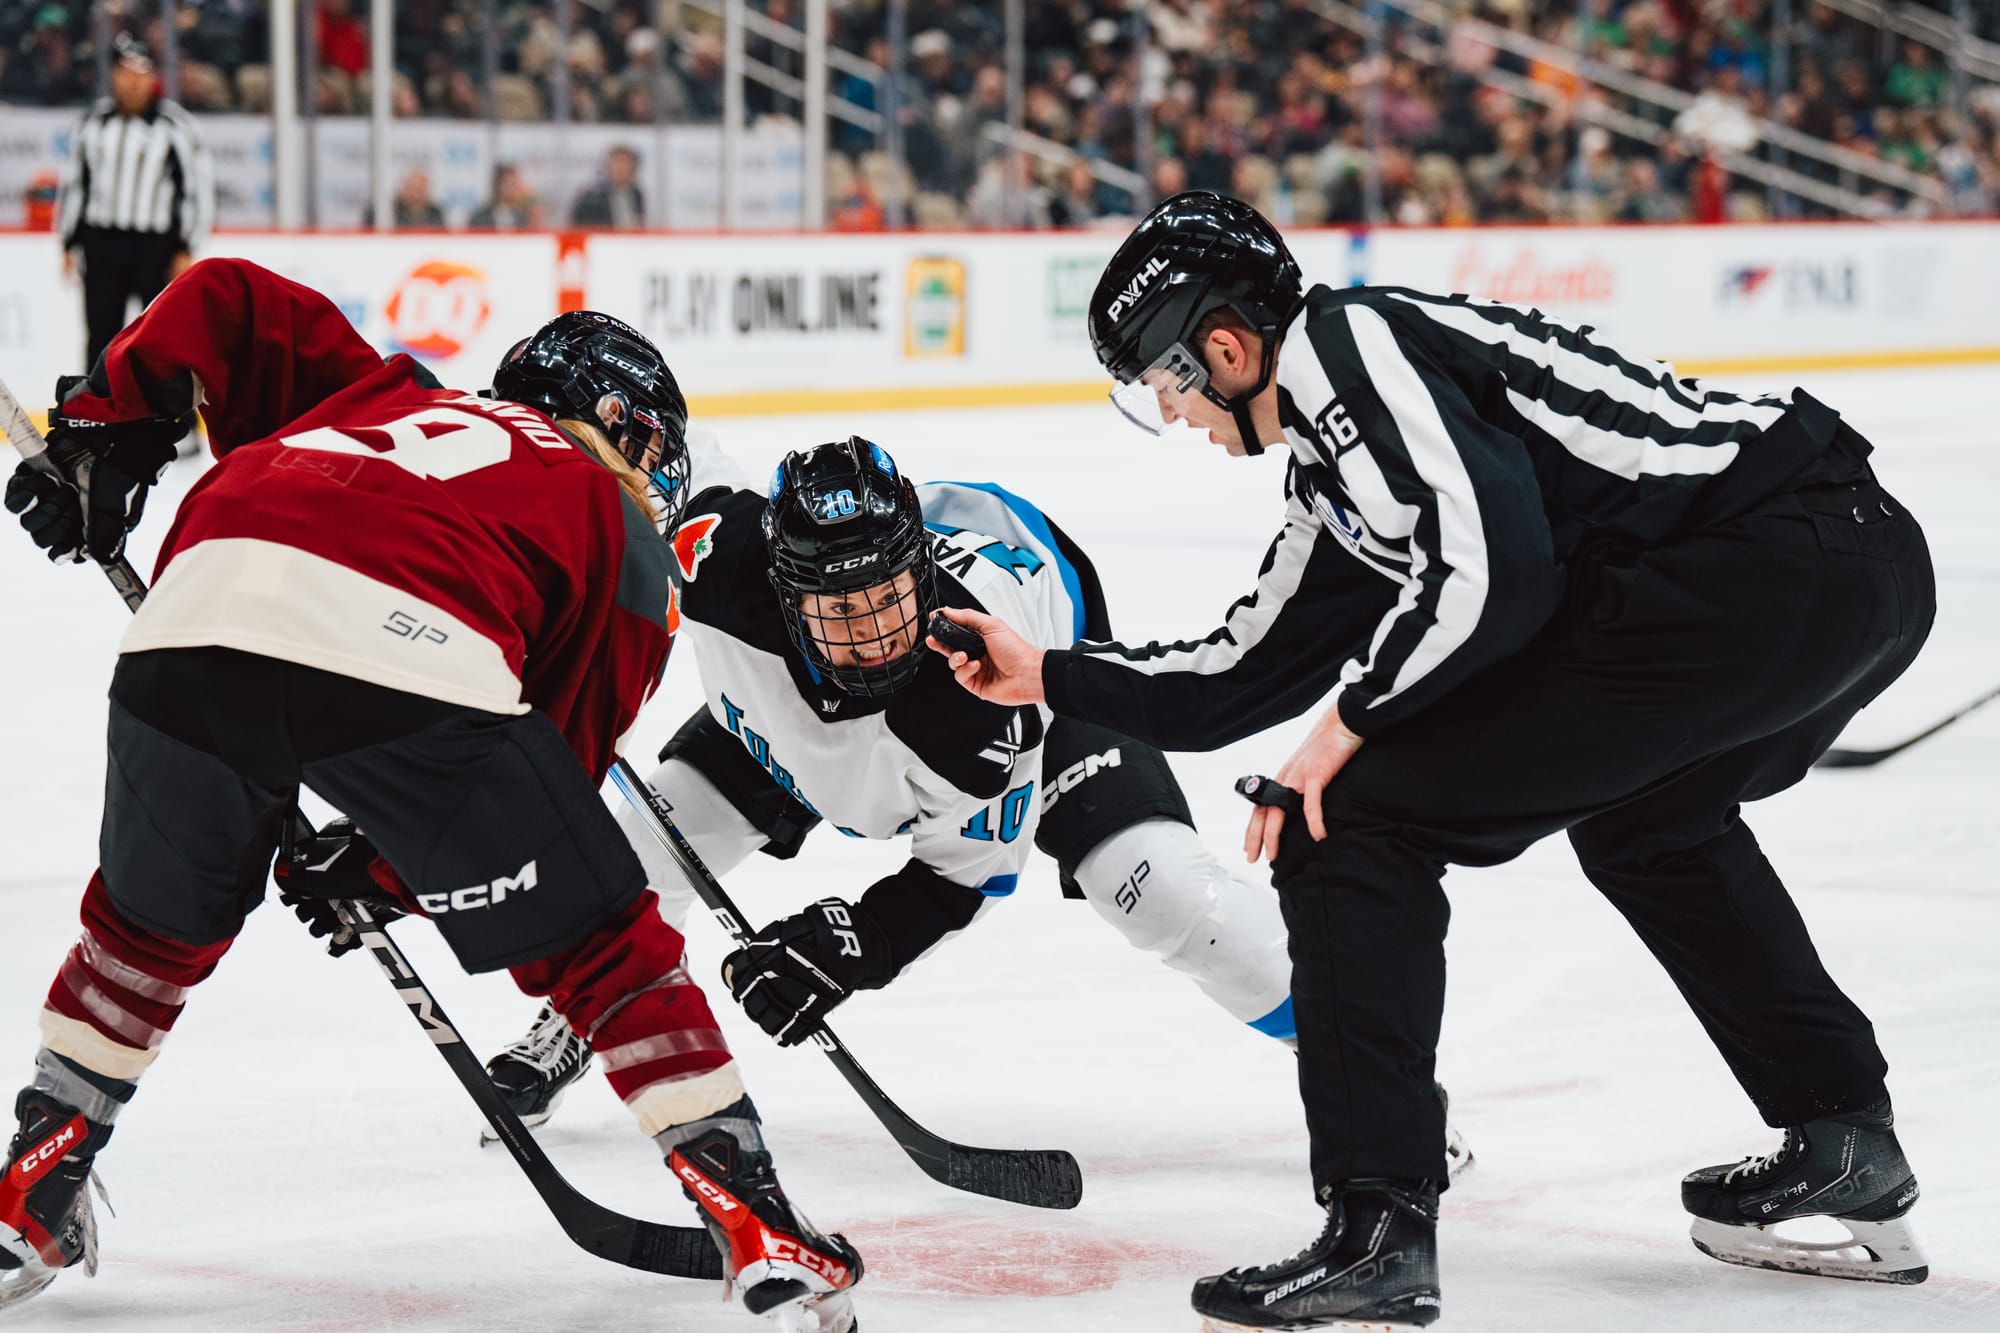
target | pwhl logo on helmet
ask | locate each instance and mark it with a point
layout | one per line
(438, 309)
(693, 540)
(1135, 290)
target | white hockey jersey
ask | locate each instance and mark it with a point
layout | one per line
(960, 777)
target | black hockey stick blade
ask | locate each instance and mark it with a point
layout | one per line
(1869, 758)
(633, 1242)
(1037, 1177)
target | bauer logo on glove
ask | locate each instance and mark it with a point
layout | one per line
(797, 969)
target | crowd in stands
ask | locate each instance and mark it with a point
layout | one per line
(1132, 99)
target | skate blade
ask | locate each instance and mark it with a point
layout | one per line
(487, 1138)
(1458, 1156)
(789, 1306)
(18, 1284)
(1873, 1251)
(1211, 1324)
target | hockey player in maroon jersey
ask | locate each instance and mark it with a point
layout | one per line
(439, 611)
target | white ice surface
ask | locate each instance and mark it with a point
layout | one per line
(300, 1159)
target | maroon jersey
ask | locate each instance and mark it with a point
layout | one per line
(364, 521)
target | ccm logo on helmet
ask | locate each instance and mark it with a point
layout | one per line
(480, 895)
(852, 562)
(1134, 289)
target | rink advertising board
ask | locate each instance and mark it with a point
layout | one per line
(456, 303)
(781, 322)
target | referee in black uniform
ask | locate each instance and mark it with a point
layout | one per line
(1536, 586)
(138, 197)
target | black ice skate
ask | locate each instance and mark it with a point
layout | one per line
(787, 1270)
(1848, 1168)
(533, 1073)
(46, 1223)
(1373, 1268)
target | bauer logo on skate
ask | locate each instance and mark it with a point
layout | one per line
(438, 309)
(1278, 1293)
(480, 895)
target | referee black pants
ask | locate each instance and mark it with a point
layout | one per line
(119, 265)
(1679, 682)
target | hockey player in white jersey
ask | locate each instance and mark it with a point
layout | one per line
(805, 607)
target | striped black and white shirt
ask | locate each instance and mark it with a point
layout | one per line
(145, 173)
(1449, 456)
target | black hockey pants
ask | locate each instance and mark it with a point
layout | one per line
(489, 818)
(1678, 682)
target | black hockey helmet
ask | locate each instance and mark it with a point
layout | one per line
(1194, 254)
(851, 563)
(591, 367)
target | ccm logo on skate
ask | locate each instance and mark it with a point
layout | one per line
(784, 1248)
(51, 1149)
(703, 1186)
(480, 895)
(1278, 1293)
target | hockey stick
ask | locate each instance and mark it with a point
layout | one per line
(654, 1247)
(34, 450)
(1870, 758)
(1038, 1177)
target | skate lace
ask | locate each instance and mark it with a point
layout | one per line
(1750, 1168)
(1256, 1271)
(549, 1043)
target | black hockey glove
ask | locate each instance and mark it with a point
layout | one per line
(112, 467)
(331, 864)
(50, 509)
(798, 968)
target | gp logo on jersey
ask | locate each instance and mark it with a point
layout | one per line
(438, 309)
(693, 540)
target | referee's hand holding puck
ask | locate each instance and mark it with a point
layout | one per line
(1001, 666)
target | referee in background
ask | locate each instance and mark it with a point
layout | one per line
(138, 196)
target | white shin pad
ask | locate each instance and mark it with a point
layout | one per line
(1159, 884)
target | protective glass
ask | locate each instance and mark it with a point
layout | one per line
(1160, 394)
(869, 637)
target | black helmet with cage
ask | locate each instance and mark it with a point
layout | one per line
(590, 367)
(1193, 255)
(851, 563)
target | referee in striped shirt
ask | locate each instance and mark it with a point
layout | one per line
(138, 197)
(1533, 586)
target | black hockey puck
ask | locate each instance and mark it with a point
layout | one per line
(957, 638)
(1260, 790)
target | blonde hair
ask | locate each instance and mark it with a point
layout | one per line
(593, 438)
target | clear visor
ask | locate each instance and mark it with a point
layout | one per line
(1159, 395)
